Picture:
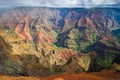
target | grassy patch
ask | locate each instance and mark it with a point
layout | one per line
(104, 62)
(55, 46)
(118, 68)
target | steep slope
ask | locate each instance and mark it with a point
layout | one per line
(20, 57)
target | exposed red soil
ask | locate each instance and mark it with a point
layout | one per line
(82, 76)
(108, 74)
(104, 75)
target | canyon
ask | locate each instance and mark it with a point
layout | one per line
(41, 41)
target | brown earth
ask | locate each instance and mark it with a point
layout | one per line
(103, 75)
(5, 77)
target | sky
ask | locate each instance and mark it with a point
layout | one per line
(60, 3)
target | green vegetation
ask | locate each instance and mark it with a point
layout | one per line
(73, 39)
(104, 62)
(116, 32)
(31, 32)
(88, 48)
(55, 46)
(12, 67)
(58, 30)
(60, 42)
(77, 39)
(10, 31)
(28, 59)
(118, 68)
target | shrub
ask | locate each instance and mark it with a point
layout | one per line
(105, 63)
(118, 68)
(12, 67)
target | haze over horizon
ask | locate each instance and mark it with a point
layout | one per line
(61, 3)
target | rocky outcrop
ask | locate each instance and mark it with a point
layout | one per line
(77, 63)
(24, 29)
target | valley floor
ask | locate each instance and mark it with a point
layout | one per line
(103, 75)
